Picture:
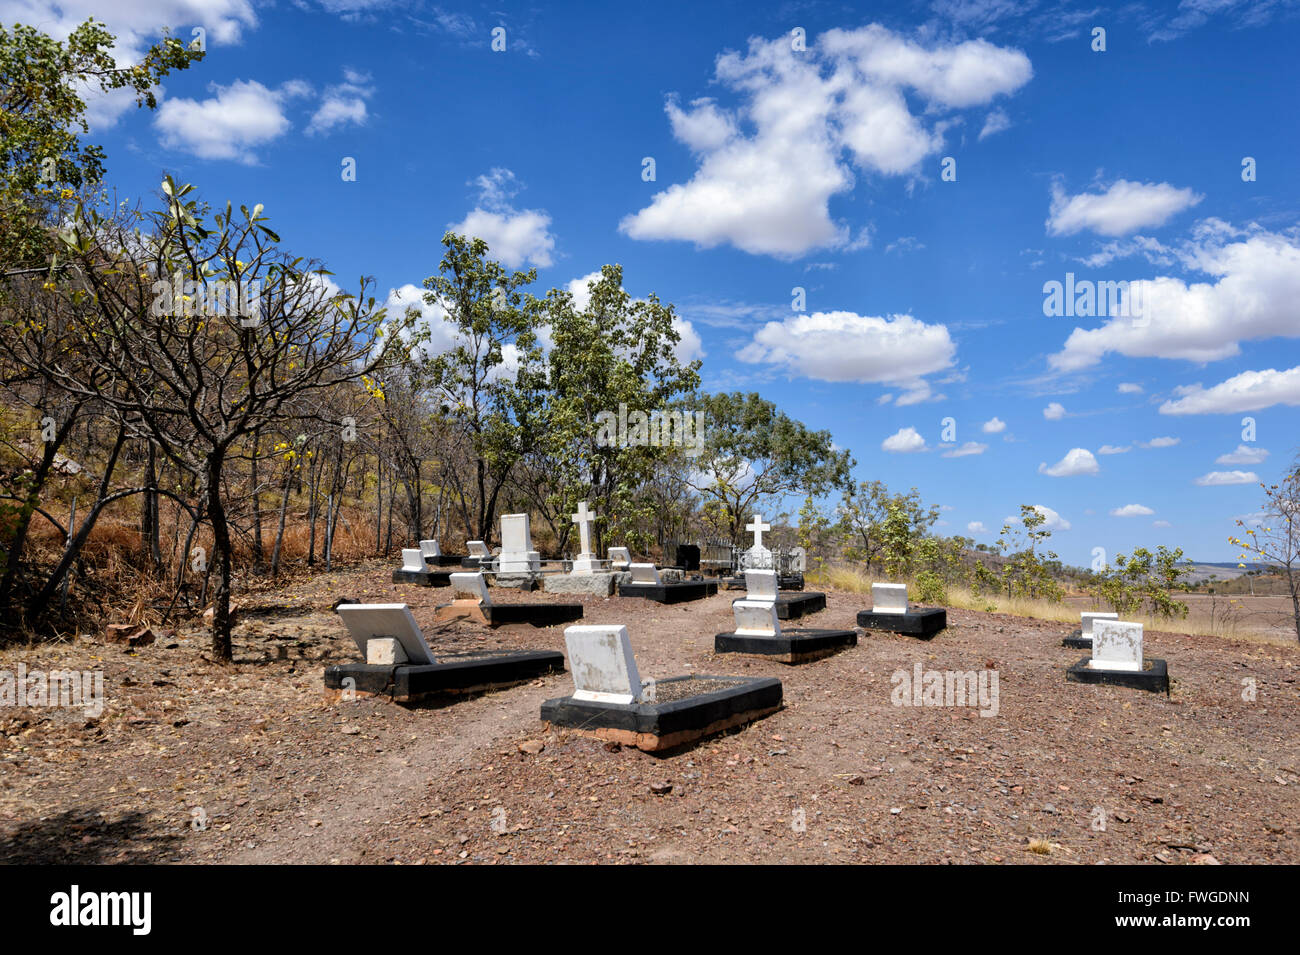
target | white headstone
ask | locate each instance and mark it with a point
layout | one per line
(620, 557)
(366, 622)
(412, 559)
(760, 585)
(601, 661)
(517, 554)
(471, 584)
(757, 526)
(1116, 645)
(1088, 618)
(430, 548)
(798, 560)
(889, 598)
(477, 549)
(755, 618)
(586, 562)
(756, 558)
(644, 574)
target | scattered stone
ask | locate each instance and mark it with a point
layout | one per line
(661, 789)
(532, 746)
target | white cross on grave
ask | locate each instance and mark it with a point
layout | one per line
(430, 548)
(413, 559)
(601, 661)
(644, 574)
(1116, 645)
(585, 562)
(757, 526)
(386, 633)
(889, 598)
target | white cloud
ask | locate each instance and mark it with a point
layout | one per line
(994, 425)
(229, 124)
(1077, 461)
(996, 122)
(1054, 411)
(342, 103)
(1256, 285)
(1129, 388)
(1223, 478)
(1161, 524)
(514, 237)
(905, 441)
(1165, 442)
(768, 168)
(1244, 454)
(844, 346)
(1132, 510)
(1113, 449)
(1249, 391)
(969, 448)
(1124, 207)
(977, 527)
(1052, 521)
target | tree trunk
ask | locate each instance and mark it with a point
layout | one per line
(222, 644)
(257, 502)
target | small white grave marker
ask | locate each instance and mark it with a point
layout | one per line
(889, 598)
(377, 622)
(1088, 619)
(472, 585)
(620, 557)
(755, 618)
(412, 560)
(760, 585)
(430, 548)
(517, 554)
(644, 574)
(477, 549)
(601, 661)
(1116, 645)
(798, 560)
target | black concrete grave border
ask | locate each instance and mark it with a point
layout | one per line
(922, 624)
(1154, 677)
(412, 682)
(800, 645)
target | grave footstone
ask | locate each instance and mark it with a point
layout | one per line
(620, 558)
(611, 702)
(1117, 659)
(400, 666)
(889, 611)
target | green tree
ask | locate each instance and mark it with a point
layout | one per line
(1027, 572)
(883, 529)
(1144, 578)
(1276, 540)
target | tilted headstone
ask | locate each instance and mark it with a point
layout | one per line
(1088, 619)
(517, 554)
(760, 585)
(586, 562)
(430, 548)
(620, 557)
(375, 623)
(1116, 645)
(889, 598)
(755, 618)
(413, 560)
(471, 585)
(644, 574)
(477, 549)
(601, 661)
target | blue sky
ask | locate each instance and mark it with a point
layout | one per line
(820, 168)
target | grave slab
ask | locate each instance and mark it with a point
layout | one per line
(759, 631)
(1117, 659)
(409, 673)
(889, 611)
(611, 702)
(598, 584)
(647, 583)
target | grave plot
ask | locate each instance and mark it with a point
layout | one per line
(1081, 639)
(400, 666)
(789, 606)
(647, 583)
(1117, 659)
(610, 700)
(889, 611)
(474, 603)
(415, 570)
(434, 557)
(758, 628)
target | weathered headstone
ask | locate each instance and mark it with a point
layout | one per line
(517, 555)
(644, 574)
(601, 661)
(889, 598)
(412, 560)
(1089, 618)
(376, 628)
(478, 549)
(620, 557)
(889, 612)
(798, 560)
(431, 550)
(1116, 645)
(760, 585)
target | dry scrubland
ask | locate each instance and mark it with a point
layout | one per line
(193, 761)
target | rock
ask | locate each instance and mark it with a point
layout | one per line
(596, 585)
(661, 789)
(857, 780)
(129, 634)
(341, 601)
(1204, 858)
(349, 730)
(532, 746)
(516, 581)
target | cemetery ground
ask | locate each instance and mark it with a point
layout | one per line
(192, 761)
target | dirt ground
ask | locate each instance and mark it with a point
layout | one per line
(196, 762)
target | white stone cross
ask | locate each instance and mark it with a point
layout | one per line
(601, 661)
(757, 526)
(369, 624)
(584, 519)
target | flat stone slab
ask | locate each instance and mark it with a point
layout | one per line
(411, 683)
(800, 645)
(1154, 676)
(596, 585)
(423, 578)
(525, 581)
(661, 726)
(793, 606)
(670, 593)
(915, 623)
(1078, 641)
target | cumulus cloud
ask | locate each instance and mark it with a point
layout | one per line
(514, 236)
(768, 167)
(994, 425)
(1077, 461)
(1129, 388)
(1165, 442)
(844, 346)
(1054, 411)
(342, 103)
(1256, 283)
(905, 441)
(967, 449)
(1132, 510)
(1052, 521)
(1113, 449)
(229, 124)
(996, 122)
(1249, 391)
(977, 527)
(1122, 208)
(1245, 454)
(1223, 478)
